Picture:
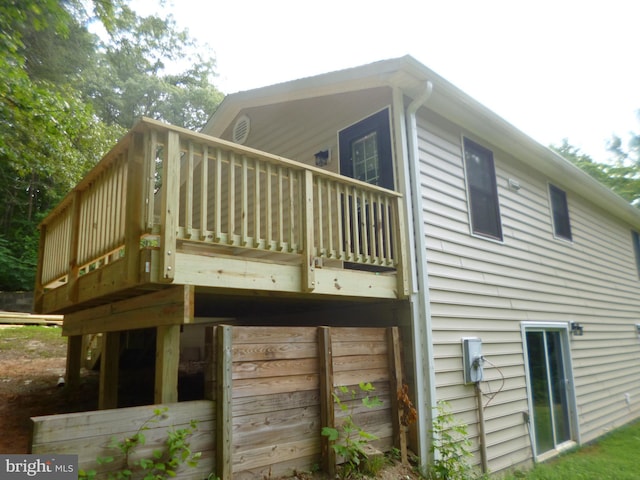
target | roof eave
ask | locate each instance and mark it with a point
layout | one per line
(407, 74)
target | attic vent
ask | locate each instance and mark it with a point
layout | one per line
(241, 129)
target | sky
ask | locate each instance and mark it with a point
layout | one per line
(554, 69)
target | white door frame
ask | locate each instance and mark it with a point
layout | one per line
(563, 328)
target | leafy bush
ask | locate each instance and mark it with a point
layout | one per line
(351, 439)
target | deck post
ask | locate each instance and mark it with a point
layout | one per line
(224, 414)
(308, 242)
(396, 384)
(135, 205)
(327, 415)
(38, 296)
(170, 207)
(400, 253)
(167, 364)
(109, 368)
(72, 279)
(74, 360)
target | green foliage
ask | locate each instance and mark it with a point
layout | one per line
(67, 95)
(451, 447)
(162, 464)
(350, 440)
(621, 174)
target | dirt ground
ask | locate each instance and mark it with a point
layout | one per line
(29, 388)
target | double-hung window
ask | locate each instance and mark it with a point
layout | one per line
(635, 238)
(482, 191)
(560, 213)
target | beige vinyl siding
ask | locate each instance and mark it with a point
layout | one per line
(298, 129)
(486, 288)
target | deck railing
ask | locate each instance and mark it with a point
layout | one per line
(183, 187)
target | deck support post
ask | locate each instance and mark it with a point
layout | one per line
(109, 368)
(327, 414)
(224, 414)
(396, 383)
(74, 360)
(308, 256)
(135, 205)
(167, 364)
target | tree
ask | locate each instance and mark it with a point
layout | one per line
(621, 174)
(135, 75)
(66, 96)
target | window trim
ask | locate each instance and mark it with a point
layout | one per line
(379, 121)
(635, 240)
(563, 215)
(468, 144)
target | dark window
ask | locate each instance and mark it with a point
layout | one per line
(560, 211)
(365, 150)
(635, 238)
(482, 191)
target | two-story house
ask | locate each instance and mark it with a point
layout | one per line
(388, 197)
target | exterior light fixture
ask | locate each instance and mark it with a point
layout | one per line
(576, 329)
(322, 157)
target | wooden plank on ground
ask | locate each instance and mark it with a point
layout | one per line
(19, 318)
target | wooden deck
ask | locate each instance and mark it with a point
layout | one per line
(168, 207)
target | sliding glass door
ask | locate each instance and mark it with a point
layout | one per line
(550, 387)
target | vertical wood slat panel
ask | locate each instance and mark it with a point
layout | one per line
(280, 205)
(347, 214)
(342, 219)
(217, 189)
(231, 198)
(149, 171)
(244, 208)
(204, 192)
(257, 204)
(269, 207)
(330, 216)
(362, 226)
(188, 186)
(319, 214)
(291, 209)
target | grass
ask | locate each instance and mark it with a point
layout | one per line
(24, 341)
(613, 457)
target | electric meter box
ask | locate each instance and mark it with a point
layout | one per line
(472, 359)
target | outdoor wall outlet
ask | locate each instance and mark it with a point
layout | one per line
(627, 398)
